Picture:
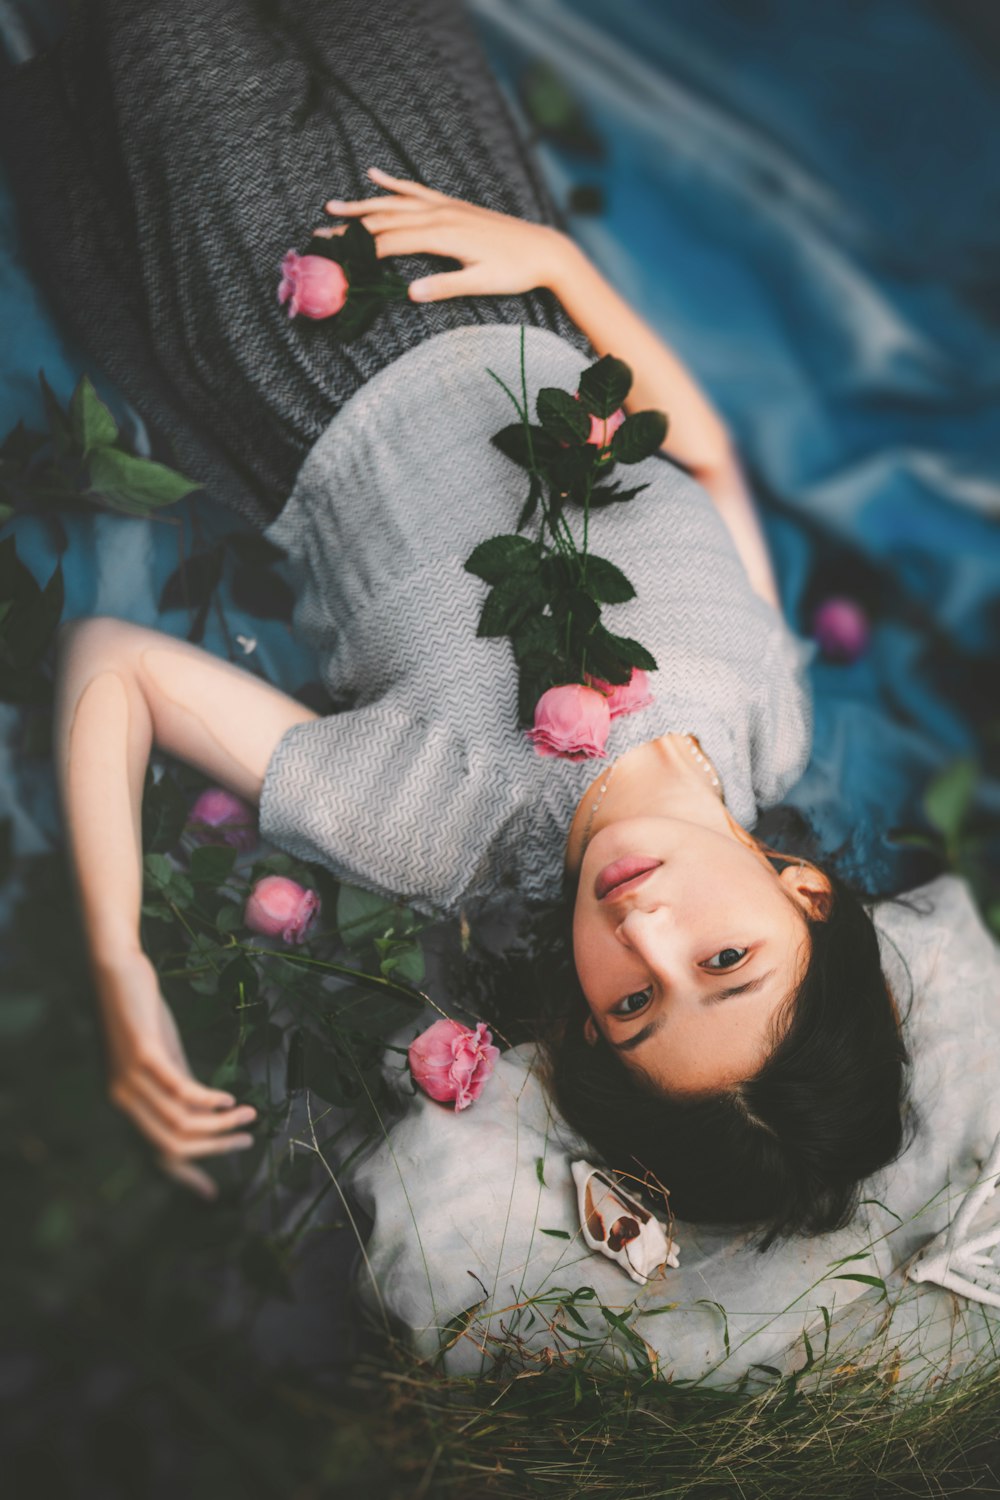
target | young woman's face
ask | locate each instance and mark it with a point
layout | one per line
(687, 943)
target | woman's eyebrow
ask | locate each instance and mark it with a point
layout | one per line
(645, 1032)
(737, 989)
(640, 1036)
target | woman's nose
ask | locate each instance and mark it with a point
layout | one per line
(644, 925)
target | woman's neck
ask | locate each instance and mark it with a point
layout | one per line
(662, 778)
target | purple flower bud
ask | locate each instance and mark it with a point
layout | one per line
(841, 627)
(220, 817)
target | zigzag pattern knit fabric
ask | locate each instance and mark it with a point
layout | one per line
(423, 787)
(167, 153)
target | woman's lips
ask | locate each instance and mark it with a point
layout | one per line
(621, 872)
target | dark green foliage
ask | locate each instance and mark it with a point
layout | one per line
(547, 593)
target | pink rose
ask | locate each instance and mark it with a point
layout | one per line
(279, 907)
(603, 429)
(312, 285)
(841, 627)
(624, 697)
(571, 721)
(451, 1063)
(220, 817)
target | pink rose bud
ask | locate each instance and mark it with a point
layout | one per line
(220, 817)
(603, 429)
(451, 1063)
(624, 697)
(571, 721)
(312, 285)
(841, 627)
(279, 907)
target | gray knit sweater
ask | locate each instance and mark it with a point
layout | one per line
(423, 787)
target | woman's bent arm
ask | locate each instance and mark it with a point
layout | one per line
(120, 689)
(500, 254)
(698, 437)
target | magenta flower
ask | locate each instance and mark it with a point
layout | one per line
(624, 697)
(841, 627)
(279, 907)
(312, 285)
(220, 817)
(571, 721)
(451, 1063)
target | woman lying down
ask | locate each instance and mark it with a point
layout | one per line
(730, 1032)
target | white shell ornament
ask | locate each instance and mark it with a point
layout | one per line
(617, 1225)
(960, 1260)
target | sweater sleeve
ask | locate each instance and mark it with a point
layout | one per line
(388, 799)
(782, 722)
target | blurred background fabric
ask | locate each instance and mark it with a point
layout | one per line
(805, 201)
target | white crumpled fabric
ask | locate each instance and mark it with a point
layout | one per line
(462, 1206)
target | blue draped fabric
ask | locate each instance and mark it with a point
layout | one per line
(803, 200)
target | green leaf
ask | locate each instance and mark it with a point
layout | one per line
(158, 870)
(570, 470)
(639, 437)
(537, 636)
(362, 916)
(508, 603)
(91, 422)
(875, 1281)
(584, 612)
(540, 1170)
(557, 1234)
(611, 494)
(948, 799)
(563, 417)
(605, 385)
(607, 583)
(230, 916)
(530, 505)
(498, 556)
(211, 864)
(135, 485)
(628, 650)
(513, 444)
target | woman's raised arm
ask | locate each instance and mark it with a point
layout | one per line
(120, 689)
(502, 255)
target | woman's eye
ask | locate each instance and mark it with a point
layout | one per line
(729, 956)
(632, 1004)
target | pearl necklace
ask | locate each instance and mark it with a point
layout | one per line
(699, 756)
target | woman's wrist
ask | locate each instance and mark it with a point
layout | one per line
(566, 264)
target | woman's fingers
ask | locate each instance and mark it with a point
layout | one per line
(405, 185)
(197, 1135)
(429, 239)
(187, 1089)
(185, 1119)
(351, 208)
(189, 1176)
(465, 283)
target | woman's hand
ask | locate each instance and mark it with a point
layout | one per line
(151, 1079)
(500, 255)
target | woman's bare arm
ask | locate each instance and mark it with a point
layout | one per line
(120, 689)
(500, 255)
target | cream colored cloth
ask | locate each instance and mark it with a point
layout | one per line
(462, 1207)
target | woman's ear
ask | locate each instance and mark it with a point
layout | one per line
(810, 888)
(590, 1031)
